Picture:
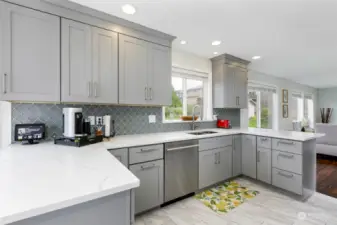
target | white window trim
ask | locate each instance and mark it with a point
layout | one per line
(207, 85)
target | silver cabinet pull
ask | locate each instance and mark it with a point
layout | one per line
(286, 175)
(264, 139)
(219, 157)
(145, 90)
(285, 156)
(4, 83)
(215, 158)
(181, 148)
(95, 89)
(89, 88)
(285, 143)
(151, 94)
(148, 167)
(147, 150)
(238, 100)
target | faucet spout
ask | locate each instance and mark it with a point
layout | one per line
(194, 126)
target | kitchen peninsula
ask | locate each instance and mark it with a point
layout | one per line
(49, 184)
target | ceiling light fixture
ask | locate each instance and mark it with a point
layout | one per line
(256, 57)
(215, 53)
(129, 9)
(183, 42)
(216, 42)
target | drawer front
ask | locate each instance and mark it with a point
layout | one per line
(287, 161)
(264, 142)
(214, 143)
(287, 181)
(121, 155)
(146, 153)
(287, 146)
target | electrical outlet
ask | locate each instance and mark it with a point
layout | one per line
(152, 118)
(99, 120)
(92, 120)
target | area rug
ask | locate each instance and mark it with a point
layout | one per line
(226, 197)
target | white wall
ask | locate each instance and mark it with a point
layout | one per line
(327, 98)
(280, 83)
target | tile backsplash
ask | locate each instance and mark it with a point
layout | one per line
(128, 119)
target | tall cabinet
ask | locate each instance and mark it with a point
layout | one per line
(29, 54)
(229, 82)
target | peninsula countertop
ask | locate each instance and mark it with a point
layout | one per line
(37, 179)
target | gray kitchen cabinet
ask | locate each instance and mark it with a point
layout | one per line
(224, 167)
(121, 155)
(237, 156)
(249, 156)
(133, 71)
(229, 81)
(105, 66)
(150, 193)
(76, 62)
(264, 165)
(29, 54)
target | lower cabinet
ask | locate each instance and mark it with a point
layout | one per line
(121, 155)
(150, 193)
(249, 155)
(237, 156)
(264, 165)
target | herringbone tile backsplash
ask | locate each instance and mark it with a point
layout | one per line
(128, 119)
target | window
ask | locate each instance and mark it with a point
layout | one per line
(296, 106)
(302, 106)
(190, 88)
(261, 106)
(309, 109)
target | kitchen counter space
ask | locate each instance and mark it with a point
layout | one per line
(36, 179)
(126, 141)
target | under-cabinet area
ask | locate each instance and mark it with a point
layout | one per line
(182, 168)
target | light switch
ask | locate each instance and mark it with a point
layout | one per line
(152, 118)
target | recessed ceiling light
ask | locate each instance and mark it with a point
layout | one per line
(216, 42)
(256, 57)
(215, 53)
(183, 42)
(129, 9)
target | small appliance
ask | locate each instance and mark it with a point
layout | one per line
(226, 124)
(72, 122)
(29, 133)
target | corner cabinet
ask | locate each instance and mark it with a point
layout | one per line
(30, 54)
(144, 72)
(249, 156)
(229, 82)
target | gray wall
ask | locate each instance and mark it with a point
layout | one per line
(327, 98)
(128, 119)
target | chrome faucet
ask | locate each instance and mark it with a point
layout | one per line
(193, 126)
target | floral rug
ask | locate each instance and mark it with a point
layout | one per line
(225, 197)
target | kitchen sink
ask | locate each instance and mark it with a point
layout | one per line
(203, 132)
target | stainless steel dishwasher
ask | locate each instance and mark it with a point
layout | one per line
(181, 169)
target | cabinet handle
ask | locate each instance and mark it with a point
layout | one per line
(95, 89)
(89, 88)
(286, 175)
(4, 83)
(147, 150)
(151, 94)
(286, 143)
(219, 161)
(215, 158)
(145, 90)
(285, 156)
(181, 148)
(148, 167)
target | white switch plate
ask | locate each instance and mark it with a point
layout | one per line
(92, 120)
(152, 118)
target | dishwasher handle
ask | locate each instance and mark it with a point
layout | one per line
(181, 148)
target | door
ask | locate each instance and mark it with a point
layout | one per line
(241, 87)
(105, 67)
(264, 165)
(150, 193)
(224, 165)
(159, 77)
(237, 156)
(30, 52)
(207, 168)
(249, 155)
(121, 155)
(133, 71)
(76, 62)
(231, 99)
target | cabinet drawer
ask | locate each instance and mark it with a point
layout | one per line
(264, 142)
(287, 161)
(121, 155)
(214, 143)
(146, 153)
(287, 181)
(287, 146)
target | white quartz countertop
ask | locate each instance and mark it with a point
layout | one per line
(37, 179)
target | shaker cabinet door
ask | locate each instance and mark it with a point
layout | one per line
(264, 165)
(207, 168)
(133, 71)
(76, 62)
(105, 66)
(241, 88)
(225, 161)
(237, 155)
(249, 155)
(29, 54)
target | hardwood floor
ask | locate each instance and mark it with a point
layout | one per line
(327, 179)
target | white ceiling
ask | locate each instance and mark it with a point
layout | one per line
(297, 39)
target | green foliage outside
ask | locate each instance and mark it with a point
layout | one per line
(264, 119)
(174, 111)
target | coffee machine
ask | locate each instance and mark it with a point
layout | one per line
(72, 122)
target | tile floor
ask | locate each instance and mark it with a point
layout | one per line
(270, 207)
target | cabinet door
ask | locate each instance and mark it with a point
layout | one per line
(249, 156)
(133, 70)
(121, 155)
(30, 53)
(241, 87)
(224, 164)
(231, 97)
(237, 155)
(105, 67)
(76, 62)
(150, 193)
(264, 165)
(159, 77)
(207, 168)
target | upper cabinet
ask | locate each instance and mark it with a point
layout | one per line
(89, 64)
(144, 72)
(229, 82)
(29, 55)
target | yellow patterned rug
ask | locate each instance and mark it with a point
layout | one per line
(225, 197)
